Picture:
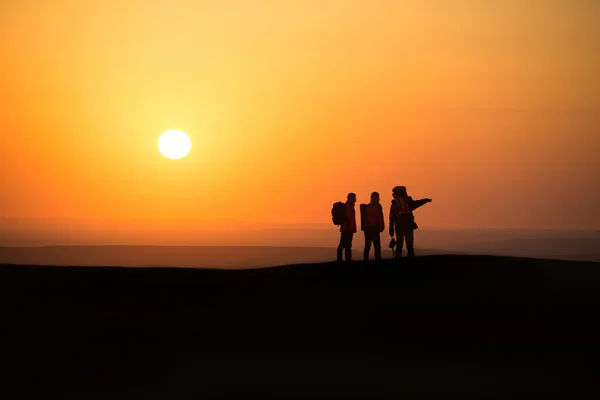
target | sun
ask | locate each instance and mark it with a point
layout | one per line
(174, 144)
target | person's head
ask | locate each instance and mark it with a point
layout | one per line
(399, 191)
(374, 197)
(352, 198)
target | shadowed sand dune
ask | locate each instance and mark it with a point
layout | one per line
(469, 325)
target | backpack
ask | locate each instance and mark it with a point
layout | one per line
(405, 217)
(338, 213)
(373, 214)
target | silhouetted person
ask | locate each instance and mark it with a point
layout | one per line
(374, 224)
(348, 229)
(402, 220)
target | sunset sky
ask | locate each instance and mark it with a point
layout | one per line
(491, 108)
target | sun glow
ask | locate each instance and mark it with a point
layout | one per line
(174, 144)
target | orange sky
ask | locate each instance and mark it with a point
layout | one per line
(491, 108)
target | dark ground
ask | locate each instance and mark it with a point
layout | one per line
(430, 327)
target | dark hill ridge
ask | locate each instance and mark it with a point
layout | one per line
(439, 324)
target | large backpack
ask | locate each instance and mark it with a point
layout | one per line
(405, 217)
(338, 213)
(373, 216)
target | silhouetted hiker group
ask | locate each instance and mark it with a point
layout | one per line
(372, 223)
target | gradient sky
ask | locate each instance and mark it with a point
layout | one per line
(491, 108)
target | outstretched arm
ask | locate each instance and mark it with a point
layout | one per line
(414, 204)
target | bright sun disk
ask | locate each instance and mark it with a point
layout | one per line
(174, 144)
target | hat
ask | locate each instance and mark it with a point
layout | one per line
(399, 189)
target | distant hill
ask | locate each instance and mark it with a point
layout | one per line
(567, 248)
(228, 257)
(427, 327)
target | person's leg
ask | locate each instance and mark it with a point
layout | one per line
(410, 243)
(350, 235)
(341, 247)
(399, 242)
(377, 245)
(368, 240)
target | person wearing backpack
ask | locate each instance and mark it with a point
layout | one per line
(402, 220)
(373, 224)
(347, 229)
